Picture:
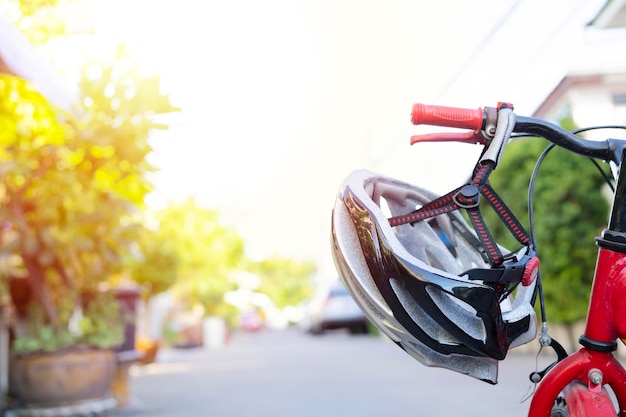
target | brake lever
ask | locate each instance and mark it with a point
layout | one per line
(471, 137)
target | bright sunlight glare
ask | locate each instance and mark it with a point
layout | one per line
(281, 99)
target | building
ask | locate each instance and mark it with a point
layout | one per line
(594, 89)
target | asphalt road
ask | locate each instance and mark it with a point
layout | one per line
(288, 373)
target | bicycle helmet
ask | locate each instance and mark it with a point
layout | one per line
(412, 280)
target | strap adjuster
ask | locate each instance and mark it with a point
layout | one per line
(518, 270)
(467, 197)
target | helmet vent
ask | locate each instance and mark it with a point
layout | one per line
(420, 317)
(459, 312)
(446, 240)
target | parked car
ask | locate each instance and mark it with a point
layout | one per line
(333, 308)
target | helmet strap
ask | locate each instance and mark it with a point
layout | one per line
(468, 197)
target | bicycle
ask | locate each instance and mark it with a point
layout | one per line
(451, 297)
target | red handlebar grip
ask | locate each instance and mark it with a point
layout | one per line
(424, 114)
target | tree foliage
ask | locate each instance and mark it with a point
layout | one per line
(38, 20)
(120, 106)
(569, 211)
(286, 281)
(74, 181)
(207, 253)
(155, 265)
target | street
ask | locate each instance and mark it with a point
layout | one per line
(289, 373)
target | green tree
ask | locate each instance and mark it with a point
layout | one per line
(569, 211)
(73, 182)
(155, 263)
(286, 281)
(207, 251)
(71, 187)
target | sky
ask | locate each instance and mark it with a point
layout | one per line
(282, 99)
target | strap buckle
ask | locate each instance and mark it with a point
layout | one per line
(514, 271)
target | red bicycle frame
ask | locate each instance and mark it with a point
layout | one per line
(583, 376)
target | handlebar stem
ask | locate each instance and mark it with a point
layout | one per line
(614, 237)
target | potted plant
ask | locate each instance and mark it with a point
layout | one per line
(55, 365)
(71, 189)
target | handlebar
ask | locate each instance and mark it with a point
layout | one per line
(475, 119)
(606, 150)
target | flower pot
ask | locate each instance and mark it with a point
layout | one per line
(61, 379)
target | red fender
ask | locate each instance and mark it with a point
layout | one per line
(584, 401)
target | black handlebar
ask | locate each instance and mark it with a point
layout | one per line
(606, 150)
(614, 237)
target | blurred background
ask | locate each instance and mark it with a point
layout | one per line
(280, 100)
(215, 136)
